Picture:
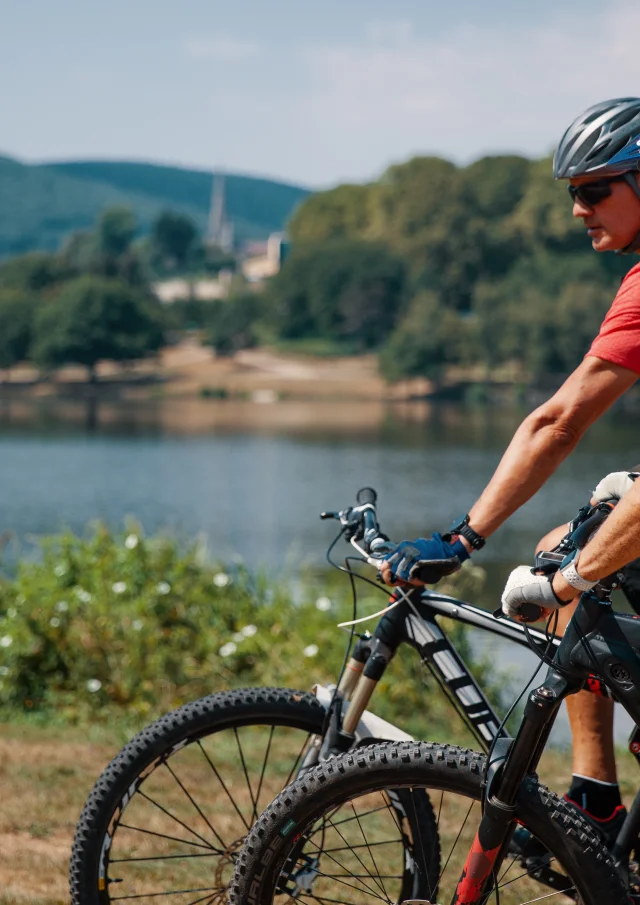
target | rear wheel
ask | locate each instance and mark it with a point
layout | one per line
(166, 819)
(335, 823)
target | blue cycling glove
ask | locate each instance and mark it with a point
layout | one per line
(427, 559)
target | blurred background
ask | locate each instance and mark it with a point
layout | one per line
(255, 256)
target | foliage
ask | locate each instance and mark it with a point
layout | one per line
(34, 272)
(17, 310)
(233, 324)
(338, 290)
(110, 622)
(497, 270)
(95, 318)
(173, 237)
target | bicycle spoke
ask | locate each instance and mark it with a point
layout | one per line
(196, 806)
(138, 829)
(464, 823)
(165, 857)
(221, 781)
(375, 866)
(173, 817)
(358, 858)
(297, 760)
(264, 767)
(246, 774)
(175, 892)
(362, 845)
(340, 864)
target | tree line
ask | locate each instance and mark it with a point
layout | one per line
(435, 266)
(432, 267)
(92, 300)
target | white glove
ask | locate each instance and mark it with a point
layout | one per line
(614, 485)
(524, 591)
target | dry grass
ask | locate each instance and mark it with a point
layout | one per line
(46, 774)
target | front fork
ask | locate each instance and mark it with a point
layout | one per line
(511, 761)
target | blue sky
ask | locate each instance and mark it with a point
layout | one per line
(314, 93)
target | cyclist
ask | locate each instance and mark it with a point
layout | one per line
(599, 155)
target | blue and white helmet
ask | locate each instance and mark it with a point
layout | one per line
(602, 141)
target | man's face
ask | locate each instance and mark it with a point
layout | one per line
(613, 223)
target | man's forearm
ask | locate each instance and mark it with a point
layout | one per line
(538, 447)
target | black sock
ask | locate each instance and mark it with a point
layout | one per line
(600, 799)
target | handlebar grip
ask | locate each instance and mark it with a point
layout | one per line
(367, 495)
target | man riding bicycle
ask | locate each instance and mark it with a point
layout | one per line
(600, 156)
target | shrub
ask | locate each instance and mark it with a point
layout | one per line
(114, 623)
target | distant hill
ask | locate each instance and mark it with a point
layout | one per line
(41, 205)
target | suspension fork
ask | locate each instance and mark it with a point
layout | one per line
(514, 759)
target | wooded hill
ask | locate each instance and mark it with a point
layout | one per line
(435, 265)
(40, 206)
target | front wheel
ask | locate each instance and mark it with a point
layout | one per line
(334, 826)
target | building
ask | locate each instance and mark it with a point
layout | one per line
(264, 259)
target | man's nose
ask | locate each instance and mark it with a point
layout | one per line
(580, 209)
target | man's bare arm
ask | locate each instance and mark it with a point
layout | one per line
(545, 439)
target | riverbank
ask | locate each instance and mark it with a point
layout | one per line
(190, 370)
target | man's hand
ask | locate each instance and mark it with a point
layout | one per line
(613, 486)
(528, 597)
(423, 561)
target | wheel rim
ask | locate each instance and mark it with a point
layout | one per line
(346, 856)
(177, 829)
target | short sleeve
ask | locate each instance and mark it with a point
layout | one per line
(619, 338)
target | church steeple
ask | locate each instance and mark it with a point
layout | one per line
(220, 228)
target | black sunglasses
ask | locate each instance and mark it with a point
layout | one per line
(592, 193)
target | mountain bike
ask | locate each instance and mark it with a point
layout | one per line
(331, 836)
(167, 817)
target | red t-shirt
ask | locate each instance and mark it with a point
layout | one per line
(619, 338)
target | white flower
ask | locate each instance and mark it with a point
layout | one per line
(221, 579)
(323, 604)
(60, 570)
(238, 636)
(131, 541)
(163, 587)
(12, 613)
(94, 685)
(310, 650)
(249, 631)
(62, 606)
(54, 622)
(6, 641)
(137, 625)
(83, 596)
(4, 670)
(227, 649)
(20, 599)
(119, 587)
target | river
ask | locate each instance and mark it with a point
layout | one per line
(253, 478)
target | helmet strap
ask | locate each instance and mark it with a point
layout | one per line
(633, 246)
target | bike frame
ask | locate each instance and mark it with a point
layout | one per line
(415, 621)
(597, 640)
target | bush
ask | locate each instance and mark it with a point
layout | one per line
(124, 625)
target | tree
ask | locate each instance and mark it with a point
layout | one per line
(34, 272)
(429, 337)
(173, 237)
(17, 312)
(349, 291)
(95, 319)
(234, 323)
(115, 231)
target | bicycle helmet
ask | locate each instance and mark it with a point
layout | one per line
(603, 141)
